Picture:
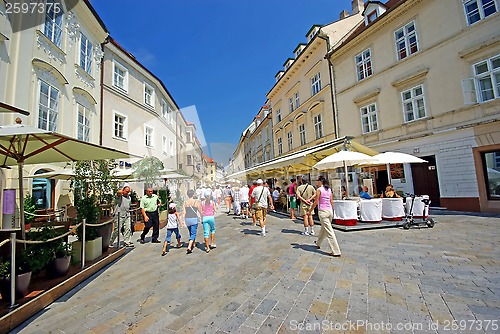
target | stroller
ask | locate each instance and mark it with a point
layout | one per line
(411, 220)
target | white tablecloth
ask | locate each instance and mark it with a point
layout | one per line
(370, 210)
(392, 208)
(418, 206)
(345, 210)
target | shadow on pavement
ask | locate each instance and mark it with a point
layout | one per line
(248, 231)
(284, 230)
(309, 248)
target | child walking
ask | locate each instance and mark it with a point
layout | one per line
(208, 211)
(172, 227)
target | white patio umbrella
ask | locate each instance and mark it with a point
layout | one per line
(344, 158)
(21, 144)
(389, 158)
(68, 174)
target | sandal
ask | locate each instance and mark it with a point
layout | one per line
(317, 246)
(164, 253)
(213, 246)
(207, 250)
(189, 251)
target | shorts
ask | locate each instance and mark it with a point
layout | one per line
(208, 226)
(304, 208)
(168, 237)
(261, 213)
(244, 205)
(293, 202)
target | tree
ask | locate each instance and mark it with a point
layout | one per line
(148, 169)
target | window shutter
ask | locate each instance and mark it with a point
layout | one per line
(469, 91)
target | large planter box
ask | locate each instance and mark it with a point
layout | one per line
(93, 249)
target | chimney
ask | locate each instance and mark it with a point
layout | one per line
(357, 6)
(344, 14)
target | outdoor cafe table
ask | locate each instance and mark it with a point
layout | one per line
(370, 210)
(345, 212)
(392, 209)
(418, 206)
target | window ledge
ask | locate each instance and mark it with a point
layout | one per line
(120, 138)
(86, 78)
(479, 47)
(409, 78)
(366, 96)
(426, 118)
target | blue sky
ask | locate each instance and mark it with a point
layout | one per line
(218, 55)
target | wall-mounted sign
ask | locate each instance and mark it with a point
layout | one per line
(9, 201)
(397, 171)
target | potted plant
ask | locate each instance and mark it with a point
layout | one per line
(88, 209)
(26, 263)
(59, 266)
(29, 207)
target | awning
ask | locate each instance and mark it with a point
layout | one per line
(11, 109)
(303, 160)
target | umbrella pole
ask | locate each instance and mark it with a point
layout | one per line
(21, 202)
(346, 179)
(389, 181)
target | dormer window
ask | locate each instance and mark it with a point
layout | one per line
(312, 32)
(373, 9)
(372, 16)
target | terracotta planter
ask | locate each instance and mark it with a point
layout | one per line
(22, 286)
(59, 266)
(93, 249)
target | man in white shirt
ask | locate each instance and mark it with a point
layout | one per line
(261, 195)
(244, 200)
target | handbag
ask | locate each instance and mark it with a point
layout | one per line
(197, 214)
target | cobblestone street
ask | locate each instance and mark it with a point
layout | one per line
(387, 281)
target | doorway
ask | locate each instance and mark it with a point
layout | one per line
(425, 179)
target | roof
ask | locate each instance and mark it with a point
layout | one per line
(391, 5)
(207, 158)
(122, 49)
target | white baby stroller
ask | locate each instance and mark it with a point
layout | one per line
(417, 212)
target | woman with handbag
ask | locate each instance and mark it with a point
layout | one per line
(192, 216)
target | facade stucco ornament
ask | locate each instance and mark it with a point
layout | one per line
(98, 55)
(72, 27)
(53, 52)
(48, 77)
(84, 77)
(83, 100)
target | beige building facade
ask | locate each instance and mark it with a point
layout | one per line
(422, 77)
(52, 69)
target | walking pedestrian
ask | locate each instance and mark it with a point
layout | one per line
(218, 195)
(149, 207)
(324, 202)
(208, 212)
(306, 194)
(262, 197)
(244, 200)
(235, 195)
(227, 198)
(192, 213)
(122, 213)
(252, 202)
(173, 223)
(292, 193)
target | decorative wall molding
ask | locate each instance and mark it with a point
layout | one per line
(48, 77)
(84, 77)
(98, 55)
(72, 27)
(52, 51)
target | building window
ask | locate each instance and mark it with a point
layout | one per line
(297, 100)
(83, 131)
(491, 163)
(487, 79)
(302, 134)
(48, 105)
(189, 137)
(369, 121)
(289, 140)
(148, 136)
(189, 160)
(120, 76)
(278, 116)
(364, 64)
(171, 148)
(164, 146)
(372, 16)
(476, 10)
(315, 84)
(280, 146)
(413, 103)
(290, 103)
(406, 40)
(85, 54)
(53, 23)
(120, 126)
(318, 127)
(148, 95)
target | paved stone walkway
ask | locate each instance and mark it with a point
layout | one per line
(440, 280)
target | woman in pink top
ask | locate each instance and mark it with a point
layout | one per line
(324, 202)
(208, 212)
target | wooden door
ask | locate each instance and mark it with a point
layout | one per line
(425, 179)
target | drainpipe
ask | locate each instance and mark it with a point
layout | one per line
(101, 120)
(332, 83)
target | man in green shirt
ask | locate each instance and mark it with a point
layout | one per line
(149, 208)
(306, 194)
